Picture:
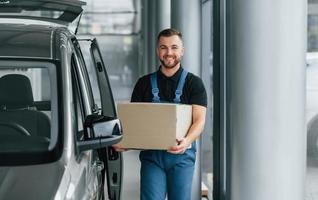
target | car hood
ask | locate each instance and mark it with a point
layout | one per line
(30, 182)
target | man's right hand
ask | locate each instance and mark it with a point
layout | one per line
(118, 148)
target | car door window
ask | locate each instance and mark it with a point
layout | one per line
(85, 82)
(78, 103)
(98, 77)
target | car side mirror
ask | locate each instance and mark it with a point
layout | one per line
(100, 131)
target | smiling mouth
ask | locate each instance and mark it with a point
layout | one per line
(169, 58)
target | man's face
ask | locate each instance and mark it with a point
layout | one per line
(170, 51)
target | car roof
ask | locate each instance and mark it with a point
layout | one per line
(30, 41)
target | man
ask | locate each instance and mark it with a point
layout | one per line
(170, 172)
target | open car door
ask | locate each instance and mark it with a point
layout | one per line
(111, 158)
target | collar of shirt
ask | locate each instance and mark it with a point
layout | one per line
(174, 77)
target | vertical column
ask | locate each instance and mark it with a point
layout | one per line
(186, 17)
(220, 151)
(144, 58)
(156, 17)
(151, 34)
(162, 18)
(206, 75)
(266, 46)
(163, 14)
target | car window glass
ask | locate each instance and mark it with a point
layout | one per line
(109, 108)
(81, 67)
(84, 85)
(78, 104)
(28, 106)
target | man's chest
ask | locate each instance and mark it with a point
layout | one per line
(167, 92)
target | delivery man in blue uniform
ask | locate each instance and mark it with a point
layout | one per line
(171, 172)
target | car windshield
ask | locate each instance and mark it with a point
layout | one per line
(28, 107)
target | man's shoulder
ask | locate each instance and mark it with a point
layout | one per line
(144, 78)
(192, 78)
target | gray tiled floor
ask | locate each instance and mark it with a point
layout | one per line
(130, 190)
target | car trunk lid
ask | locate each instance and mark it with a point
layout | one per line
(62, 12)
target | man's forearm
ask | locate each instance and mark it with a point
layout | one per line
(198, 121)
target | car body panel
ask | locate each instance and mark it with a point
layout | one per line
(28, 182)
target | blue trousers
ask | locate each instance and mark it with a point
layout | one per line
(164, 173)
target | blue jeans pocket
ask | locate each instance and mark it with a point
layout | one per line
(190, 154)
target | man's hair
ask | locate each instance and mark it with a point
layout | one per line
(169, 32)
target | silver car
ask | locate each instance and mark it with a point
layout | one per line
(57, 113)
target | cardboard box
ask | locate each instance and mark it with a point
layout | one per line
(153, 125)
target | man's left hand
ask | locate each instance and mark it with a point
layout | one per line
(181, 147)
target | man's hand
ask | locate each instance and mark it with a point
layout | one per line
(181, 147)
(118, 148)
(198, 120)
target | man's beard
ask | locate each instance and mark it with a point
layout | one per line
(172, 65)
